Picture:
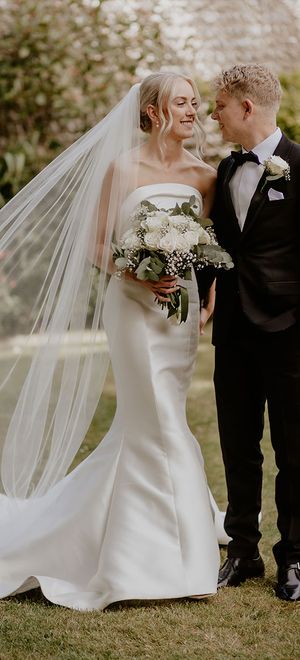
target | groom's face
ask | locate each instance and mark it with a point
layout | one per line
(230, 113)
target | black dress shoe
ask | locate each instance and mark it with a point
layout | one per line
(238, 569)
(288, 586)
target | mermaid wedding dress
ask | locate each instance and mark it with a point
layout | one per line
(134, 519)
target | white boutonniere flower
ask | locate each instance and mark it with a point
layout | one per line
(276, 168)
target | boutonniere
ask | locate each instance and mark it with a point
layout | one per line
(276, 168)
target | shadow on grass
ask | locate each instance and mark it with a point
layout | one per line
(31, 596)
(165, 603)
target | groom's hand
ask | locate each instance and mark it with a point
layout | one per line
(207, 307)
(204, 317)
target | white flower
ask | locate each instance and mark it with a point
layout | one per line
(169, 240)
(130, 240)
(192, 237)
(204, 237)
(276, 167)
(193, 225)
(156, 221)
(182, 243)
(152, 239)
(178, 220)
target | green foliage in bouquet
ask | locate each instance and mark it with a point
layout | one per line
(162, 242)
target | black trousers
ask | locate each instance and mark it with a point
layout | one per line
(252, 369)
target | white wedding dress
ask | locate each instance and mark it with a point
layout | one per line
(134, 519)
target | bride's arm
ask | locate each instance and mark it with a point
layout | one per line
(161, 288)
(102, 251)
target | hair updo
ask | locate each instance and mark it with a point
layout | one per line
(157, 90)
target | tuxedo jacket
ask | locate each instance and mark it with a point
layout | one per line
(265, 282)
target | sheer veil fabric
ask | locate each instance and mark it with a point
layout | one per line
(48, 242)
(135, 518)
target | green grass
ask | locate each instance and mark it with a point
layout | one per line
(247, 622)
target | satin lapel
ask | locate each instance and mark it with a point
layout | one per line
(229, 173)
(257, 202)
(260, 197)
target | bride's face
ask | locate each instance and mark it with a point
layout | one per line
(183, 107)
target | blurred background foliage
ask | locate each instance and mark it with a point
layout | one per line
(65, 63)
(289, 113)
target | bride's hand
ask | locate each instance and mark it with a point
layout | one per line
(165, 285)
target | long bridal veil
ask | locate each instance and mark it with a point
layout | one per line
(50, 235)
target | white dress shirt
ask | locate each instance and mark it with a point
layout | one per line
(245, 180)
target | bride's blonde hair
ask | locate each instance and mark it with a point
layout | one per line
(157, 90)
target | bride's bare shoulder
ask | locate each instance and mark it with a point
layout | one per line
(127, 163)
(199, 165)
(204, 175)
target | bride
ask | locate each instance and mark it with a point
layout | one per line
(134, 520)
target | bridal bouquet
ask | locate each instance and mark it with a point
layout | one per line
(169, 242)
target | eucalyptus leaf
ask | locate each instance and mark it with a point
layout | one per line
(141, 271)
(156, 267)
(117, 251)
(206, 222)
(121, 263)
(185, 207)
(153, 277)
(150, 207)
(172, 311)
(184, 306)
(176, 210)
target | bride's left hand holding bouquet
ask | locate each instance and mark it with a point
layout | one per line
(167, 243)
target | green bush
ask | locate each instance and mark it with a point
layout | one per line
(64, 64)
(289, 113)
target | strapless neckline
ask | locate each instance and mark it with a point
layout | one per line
(175, 192)
(169, 184)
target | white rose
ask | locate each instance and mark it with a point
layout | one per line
(177, 220)
(156, 221)
(276, 166)
(168, 242)
(130, 241)
(204, 237)
(152, 239)
(192, 237)
(193, 226)
(182, 243)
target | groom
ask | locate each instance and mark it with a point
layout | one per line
(257, 321)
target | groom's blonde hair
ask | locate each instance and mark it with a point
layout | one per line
(253, 81)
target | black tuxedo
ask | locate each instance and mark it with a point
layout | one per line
(266, 279)
(256, 332)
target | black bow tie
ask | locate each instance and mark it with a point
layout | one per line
(240, 158)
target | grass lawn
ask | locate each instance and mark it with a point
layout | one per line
(247, 622)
